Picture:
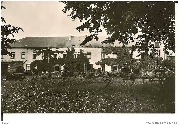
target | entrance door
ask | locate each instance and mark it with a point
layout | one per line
(57, 68)
(103, 67)
(4, 68)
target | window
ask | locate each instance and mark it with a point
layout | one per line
(22, 55)
(64, 55)
(75, 55)
(89, 66)
(43, 56)
(34, 55)
(115, 68)
(55, 56)
(89, 55)
(12, 55)
(27, 67)
(103, 55)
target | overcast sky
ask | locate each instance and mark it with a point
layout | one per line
(40, 19)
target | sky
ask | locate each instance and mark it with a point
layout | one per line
(40, 19)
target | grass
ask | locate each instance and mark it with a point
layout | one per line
(79, 95)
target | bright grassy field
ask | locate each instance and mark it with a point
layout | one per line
(79, 95)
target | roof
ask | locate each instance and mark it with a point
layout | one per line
(57, 42)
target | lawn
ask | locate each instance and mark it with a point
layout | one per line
(79, 95)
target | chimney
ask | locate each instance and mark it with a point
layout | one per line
(70, 37)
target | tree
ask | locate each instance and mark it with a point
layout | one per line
(47, 53)
(69, 67)
(7, 31)
(123, 56)
(73, 64)
(82, 61)
(122, 20)
(70, 62)
(169, 63)
(39, 66)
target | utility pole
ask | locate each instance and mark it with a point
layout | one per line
(157, 46)
(48, 55)
(84, 67)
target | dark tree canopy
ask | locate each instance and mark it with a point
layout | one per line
(7, 32)
(121, 20)
(73, 64)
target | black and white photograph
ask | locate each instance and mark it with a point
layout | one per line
(88, 57)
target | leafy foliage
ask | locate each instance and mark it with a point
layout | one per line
(123, 56)
(121, 20)
(47, 53)
(81, 61)
(71, 63)
(77, 95)
(7, 32)
(170, 64)
(124, 60)
(148, 63)
(38, 66)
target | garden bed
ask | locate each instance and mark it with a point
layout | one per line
(79, 95)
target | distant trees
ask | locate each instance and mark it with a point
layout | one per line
(7, 34)
(155, 21)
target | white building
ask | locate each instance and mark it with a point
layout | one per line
(23, 50)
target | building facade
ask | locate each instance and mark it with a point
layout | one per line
(24, 50)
